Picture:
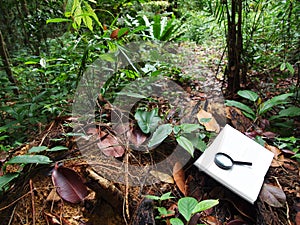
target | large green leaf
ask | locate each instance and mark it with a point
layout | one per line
(160, 134)
(186, 144)
(250, 95)
(204, 205)
(243, 107)
(289, 112)
(37, 149)
(186, 206)
(176, 221)
(20, 159)
(6, 178)
(277, 100)
(147, 121)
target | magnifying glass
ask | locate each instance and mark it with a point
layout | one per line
(225, 162)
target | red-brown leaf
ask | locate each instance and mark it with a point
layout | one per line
(272, 195)
(298, 218)
(136, 136)
(179, 177)
(110, 146)
(69, 184)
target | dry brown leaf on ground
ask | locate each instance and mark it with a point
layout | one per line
(297, 218)
(278, 159)
(179, 177)
(162, 176)
(109, 145)
(208, 121)
(273, 195)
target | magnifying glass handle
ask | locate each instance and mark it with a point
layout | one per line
(242, 163)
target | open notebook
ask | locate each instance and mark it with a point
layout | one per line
(244, 180)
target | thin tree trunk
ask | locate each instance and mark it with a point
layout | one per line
(5, 61)
(234, 42)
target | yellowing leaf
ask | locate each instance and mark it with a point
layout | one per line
(162, 176)
(208, 121)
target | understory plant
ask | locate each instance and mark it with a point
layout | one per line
(188, 136)
(281, 106)
(187, 207)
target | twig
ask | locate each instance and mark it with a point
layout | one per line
(48, 131)
(18, 199)
(12, 215)
(32, 201)
(287, 206)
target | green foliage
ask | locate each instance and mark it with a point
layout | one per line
(147, 121)
(25, 159)
(261, 108)
(187, 207)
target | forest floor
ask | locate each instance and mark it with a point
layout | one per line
(33, 199)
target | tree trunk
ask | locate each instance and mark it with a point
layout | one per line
(235, 46)
(5, 61)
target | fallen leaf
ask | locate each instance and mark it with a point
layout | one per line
(110, 145)
(162, 176)
(278, 159)
(69, 184)
(236, 222)
(208, 121)
(297, 219)
(179, 177)
(273, 195)
(53, 196)
(136, 136)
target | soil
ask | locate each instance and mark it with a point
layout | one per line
(32, 198)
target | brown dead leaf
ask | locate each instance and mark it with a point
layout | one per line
(110, 145)
(297, 219)
(278, 159)
(136, 136)
(179, 177)
(162, 176)
(273, 195)
(211, 125)
(238, 119)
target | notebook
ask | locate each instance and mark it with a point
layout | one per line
(244, 180)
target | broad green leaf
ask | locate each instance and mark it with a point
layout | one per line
(176, 221)
(108, 57)
(69, 5)
(250, 95)
(289, 112)
(153, 197)
(6, 178)
(88, 22)
(58, 20)
(147, 121)
(277, 100)
(204, 205)
(123, 31)
(166, 196)
(250, 116)
(186, 206)
(57, 148)
(162, 211)
(290, 68)
(282, 66)
(37, 149)
(186, 144)
(160, 134)
(20, 159)
(188, 128)
(240, 106)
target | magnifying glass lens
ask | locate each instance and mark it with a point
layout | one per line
(223, 161)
